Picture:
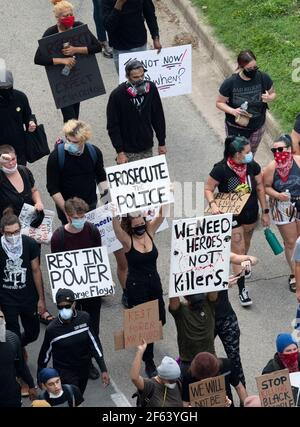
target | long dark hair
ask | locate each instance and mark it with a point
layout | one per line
(245, 57)
(234, 144)
(126, 223)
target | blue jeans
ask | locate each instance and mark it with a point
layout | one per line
(98, 18)
(116, 54)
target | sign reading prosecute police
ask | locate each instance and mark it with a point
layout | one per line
(140, 185)
(85, 271)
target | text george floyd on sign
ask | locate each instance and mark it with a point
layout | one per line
(84, 80)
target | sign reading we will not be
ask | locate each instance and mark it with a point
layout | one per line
(209, 393)
(85, 271)
(275, 389)
(170, 70)
(140, 185)
(84, 81)
(200, 255)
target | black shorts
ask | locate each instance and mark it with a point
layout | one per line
(247, 217)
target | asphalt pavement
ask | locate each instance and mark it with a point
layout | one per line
(193, 147)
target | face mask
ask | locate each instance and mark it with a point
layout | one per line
(2, 331)
(250, 73)
(140, 87)
(66, 313)
(282, 157)
(289, 358)
(139, 230)
(68, 21)
(171, 386)
(78, 223)
(72, 148)
(10, 171)
(248, 158)
(14, 239)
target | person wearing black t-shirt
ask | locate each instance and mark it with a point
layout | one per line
(206, 365)
(247, 90)
(64, 14)
(238, 172)
(124, 21)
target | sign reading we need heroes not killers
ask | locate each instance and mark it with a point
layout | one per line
(140, 185)
(85, 271)
(170, 70)
(200, 255)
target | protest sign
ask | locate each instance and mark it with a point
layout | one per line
(230, 202)
(209, 393)
(275, 389)
(200, 255)
(140, 185)
(170, 70)
(41, 234)
(102, 218)
(84, 80)
(151, 214)
(85, 271)
(140, 322)
(295, 384)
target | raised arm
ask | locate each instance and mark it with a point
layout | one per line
(135, 376)
(121, 235)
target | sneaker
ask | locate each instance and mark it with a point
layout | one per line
(106, 50)
(150, 369)
(93, 372)
(125, 300)
(245, 300)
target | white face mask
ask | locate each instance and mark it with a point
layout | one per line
(14, 239)
(2, 330)
(170, 386)
(10, 171)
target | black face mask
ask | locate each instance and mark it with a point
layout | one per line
(250, 73)
(139, 230)
(196, 301)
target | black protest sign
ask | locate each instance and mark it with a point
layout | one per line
(275, 389)
(84, 80)
(208, 393)
(85, 271)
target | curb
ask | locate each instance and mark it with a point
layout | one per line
(221, 55)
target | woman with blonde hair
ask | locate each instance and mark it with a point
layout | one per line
(64, 14)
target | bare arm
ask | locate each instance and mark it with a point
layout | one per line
(38, 281)
(59, 201)
(241, 391)
(238, 259)
(222, 104)
(268, 177)
(265, 218)
(135, 376)
(156, 222)
(174, 303)
(297, 275)
(122, 236)
(37, 200)
(209, 189)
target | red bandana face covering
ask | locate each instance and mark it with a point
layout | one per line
(290, 360)
(239, 168)
(284, 163)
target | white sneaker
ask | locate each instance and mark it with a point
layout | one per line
(245, 300)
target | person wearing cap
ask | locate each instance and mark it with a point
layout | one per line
(282, 185)
(72, 343)
(57, 394)
(124, 21)
(163, 390)
(206, 365)
(134, 109)
(286, 357)
(195, 325)
(12, 366)
(15, 115)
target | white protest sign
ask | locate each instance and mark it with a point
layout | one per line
(102, 218)
(200, 255)
(85, 271)
(41, 234)
(140, 185)
(170, 70)
(151, 214)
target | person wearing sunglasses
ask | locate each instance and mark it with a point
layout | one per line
(247, 86)
(282, 184)
(71, 342)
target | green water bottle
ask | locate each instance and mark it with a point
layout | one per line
(273, 241)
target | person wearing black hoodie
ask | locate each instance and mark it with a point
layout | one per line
(134, 109)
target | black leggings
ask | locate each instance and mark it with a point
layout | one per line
(91, 306)
(29, 319)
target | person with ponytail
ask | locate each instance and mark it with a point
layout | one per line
(64, 15)
(250, 90)
(282, 185)
(239, 172)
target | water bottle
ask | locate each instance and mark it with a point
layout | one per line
(244, 106)
(273, 241)
(66, 70)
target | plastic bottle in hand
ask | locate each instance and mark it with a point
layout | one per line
(244, 106)
(66, 70)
